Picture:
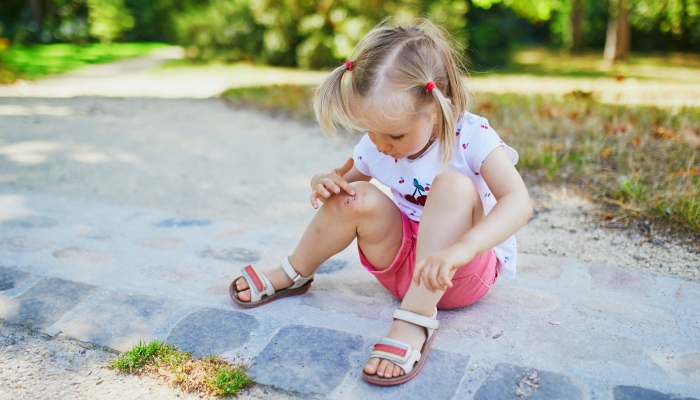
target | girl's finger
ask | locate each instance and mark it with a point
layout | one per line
(425, 277)
(314, 203)
(417, 272)
(444, 277)
(346, 186)
(330, 185)
(322, 191)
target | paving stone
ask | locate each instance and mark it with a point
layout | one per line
(625, 313)
(24, 244)
(511, 382)
(523, 298)
(44, 303)
(467, 320)
(231, 254)
(181, 223)
(688, 293)
(120, 321)
(638, 393)
(546, 267)
(84, 257)
(332, 266)
(301, 359)
(587, 345)
(176, 273)
(620, 279)
(9, 278)
(211, 330)
(362, 306)
(679, 365)
(33, 221)
(438, 379)
(159, 243)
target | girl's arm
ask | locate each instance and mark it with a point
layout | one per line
(325, 183)
(512, 210)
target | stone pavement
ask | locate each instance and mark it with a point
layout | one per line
(111, 275)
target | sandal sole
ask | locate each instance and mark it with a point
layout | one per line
(233, 292)
(374, 379)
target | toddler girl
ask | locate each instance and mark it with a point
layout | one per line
(447, 232)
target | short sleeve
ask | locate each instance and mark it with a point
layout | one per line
(478, 141)
(361, 152)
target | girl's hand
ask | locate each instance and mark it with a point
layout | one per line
(331, 183)
(436, 271)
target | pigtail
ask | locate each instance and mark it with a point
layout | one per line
(330, 106)
(445, 124)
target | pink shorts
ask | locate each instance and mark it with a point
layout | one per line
(470, 283)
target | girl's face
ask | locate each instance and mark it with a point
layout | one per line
(401, 135)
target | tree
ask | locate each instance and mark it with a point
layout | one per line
(617, 39)
(108, 19)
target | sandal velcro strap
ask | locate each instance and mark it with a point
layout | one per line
(392, 350)
(417, 319)
(257, 281)
(293, 274)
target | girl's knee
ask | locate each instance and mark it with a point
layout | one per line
(366, 198)
(453, 183)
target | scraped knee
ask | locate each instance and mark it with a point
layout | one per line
(365, 199)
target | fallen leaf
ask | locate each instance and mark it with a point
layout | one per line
(496, 336)
(99, 382)
(683, 172)
(663, 133)
(620, 78)
(486, 108)
(636, 141)
(605, 153)
(573, 116)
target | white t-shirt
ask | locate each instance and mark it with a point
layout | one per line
(410, 180)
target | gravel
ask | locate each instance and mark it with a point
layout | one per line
(567, 226)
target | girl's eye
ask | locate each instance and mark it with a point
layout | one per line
(397, 137)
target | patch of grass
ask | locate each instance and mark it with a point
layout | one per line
(641, 162)
(33, 62)
(208, 375)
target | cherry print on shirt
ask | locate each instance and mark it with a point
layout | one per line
(396, 160)
(458, 131)
(359, 158)
(476, 173)
(402, 181)
(487, 195)
(464, 146)
(420, 200)
(484, 127)
(506, 260)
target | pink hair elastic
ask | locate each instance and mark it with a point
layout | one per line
(430, 86)
(348, 65)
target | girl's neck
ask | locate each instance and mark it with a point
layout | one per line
(420, 153)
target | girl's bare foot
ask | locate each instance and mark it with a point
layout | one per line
(276, 275)
(404, 332)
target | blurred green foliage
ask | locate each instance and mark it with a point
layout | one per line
(321, 33)
(33, 62)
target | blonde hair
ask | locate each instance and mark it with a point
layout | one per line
(398, 58)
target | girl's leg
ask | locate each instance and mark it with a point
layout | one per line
(370, 216)
(452, 208)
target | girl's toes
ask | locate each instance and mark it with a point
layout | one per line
(383, 370)
(371, 366)
(241, 284)
(397, 371)
(244, 296)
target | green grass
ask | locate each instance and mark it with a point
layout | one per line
(32, 62)
(207, 375)
(642, 161)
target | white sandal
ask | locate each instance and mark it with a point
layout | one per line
(261, 289)
(402, 354)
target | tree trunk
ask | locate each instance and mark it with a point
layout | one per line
(576, 26)
(35, 6)
(617, 39)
